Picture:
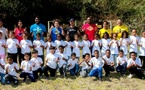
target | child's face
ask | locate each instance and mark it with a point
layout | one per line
(134, 32)
(67, 38)
(26, 57)
(96, 36)
(52, 51)
(10, 60)
(87, 57)
(73, 57)
(108, 53)
(61, 49)
(38, 37)
(58, 37)
(133, 56)
(85, 37)
(124, 35)
(76, 37)
(105, 36)
(105, 25)
(96, 54)
(121, 54)
(114, 36)
(35, 55)
(11, 35)
(48, 39)
(24, 36)
(56, 24)
(143, 34)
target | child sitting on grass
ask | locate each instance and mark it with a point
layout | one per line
(11, 71)
(73, 65)
(26, 67)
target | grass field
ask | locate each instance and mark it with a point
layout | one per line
(113, 82)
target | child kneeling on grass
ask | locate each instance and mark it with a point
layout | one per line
(73, 65)
(97, 64)
(37, 64)
(121, 63)
(26, 67)
(2, 66)
(85, 67)
(133, 64)
(11, 71)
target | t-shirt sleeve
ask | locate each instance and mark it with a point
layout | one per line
(40, 60)
(17, 67)
(30, 43)
(17, 42)
(2, 62)
(128, 62)
(139, 62)
(42, 43)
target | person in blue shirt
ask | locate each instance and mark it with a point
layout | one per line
(56, 29)
(37, 28)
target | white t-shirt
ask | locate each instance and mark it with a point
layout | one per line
(38, 43)
(124, 46)
(2, 62)
(48, 45)
(73, 63)
(122, 60)
(76, 48)
(37, 61)
(137, 61)
(84, 65)
(25, 46)
(11, 70)
(86, 47)
(68, 48)
(95, 44)
(11, 43)
(27, 65)
(4, 32)
(58, 43)
(142, 48)
(114, 47)
(52, 58)
(97, 62)
(133, 45)
(108, 60)
(2, 49)
(61, 61)
(105, 45)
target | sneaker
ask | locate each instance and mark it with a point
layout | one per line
(130, 76)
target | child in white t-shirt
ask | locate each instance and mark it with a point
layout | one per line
(124, 42)
(85, 67)
(12, 45)
(134, 39)
(37, 61)
(142, 49)
(114, 47)
(62, 57)
(76, 44)
(27, 67)
(105, 43)
(133, 65)
(51, 63)
(2, 74)
(108, 63)
(48, 44)
(39, 46)
(86, 45)
(121, 63)
(25, 46)
(73, 65)
(11, 69)
(96, 44)
(59, 42)
(2, 47)
(68, 49)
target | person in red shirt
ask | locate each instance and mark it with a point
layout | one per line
(19, 30)
(90, 29)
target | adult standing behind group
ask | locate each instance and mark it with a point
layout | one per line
(72, 29)
(89, 29)
(56, 29)
(19, 30)
(37, 28)
(120, 28)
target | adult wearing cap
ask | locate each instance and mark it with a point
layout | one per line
(89, 29)
(37, 28)
(120, 28)
(72, 29)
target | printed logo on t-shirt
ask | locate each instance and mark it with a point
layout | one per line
(90, 28)
(38, 30)
(57, 31)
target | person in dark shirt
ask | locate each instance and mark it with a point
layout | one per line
(72, 29)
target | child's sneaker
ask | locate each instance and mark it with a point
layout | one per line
(130, 76)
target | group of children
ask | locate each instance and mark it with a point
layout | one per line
(107, 53)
